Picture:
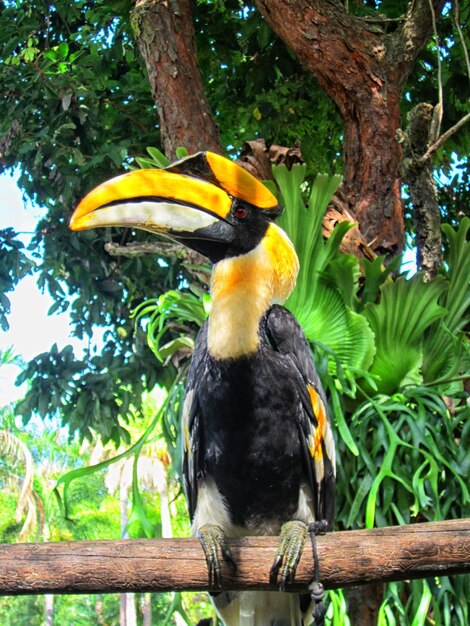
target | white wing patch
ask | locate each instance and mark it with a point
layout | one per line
(188, 401)
(211, 507)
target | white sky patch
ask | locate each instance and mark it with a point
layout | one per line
(19, 214)
(31, 331)
(408, 262)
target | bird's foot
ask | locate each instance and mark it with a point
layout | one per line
(211, 538)
(291, 545)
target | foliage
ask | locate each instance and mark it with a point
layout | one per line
(406, 310)
(422, 455)
(444, 344)
(179, 308)
(96, 516)
(66, 81)
(413, 463)
(258, 88)
(320, 307)
(78, 65)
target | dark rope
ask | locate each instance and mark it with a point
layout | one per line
(316, 588)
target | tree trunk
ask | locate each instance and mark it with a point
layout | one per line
(99, 611)
(146, 605)
(49, 607)
(127, 610)
(364, 603)
(362, 67)
(419, 178)
(165, 35)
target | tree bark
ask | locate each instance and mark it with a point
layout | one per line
(127, 608)
(362, 67)
(146, 605)
(99, 611)
(165, 35)
(49, 609)
(364, 604)
(345, 558)
(419, 177)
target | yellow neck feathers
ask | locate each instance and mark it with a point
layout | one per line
(244, 287)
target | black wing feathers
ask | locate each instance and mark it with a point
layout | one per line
(286, 336)
(193, 431)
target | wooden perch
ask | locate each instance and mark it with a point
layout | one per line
(345, 558)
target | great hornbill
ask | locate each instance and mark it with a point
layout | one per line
(258, 447)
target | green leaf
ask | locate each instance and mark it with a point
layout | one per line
(344, 274)
(406, 310)
(178, 306)
(376, 273)
(444, 344)
(63, 50)
(361, 494)
(342, 424)
(420, 616)
(158, 158)
(181, 152)
(173, 346)
(138, 512)
(145, 163)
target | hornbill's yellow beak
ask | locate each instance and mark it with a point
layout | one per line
(199, 201)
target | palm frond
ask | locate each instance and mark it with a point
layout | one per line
(406, 310)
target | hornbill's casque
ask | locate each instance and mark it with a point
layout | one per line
(258, 447)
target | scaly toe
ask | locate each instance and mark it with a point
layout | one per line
(291, 545)
(211, 538)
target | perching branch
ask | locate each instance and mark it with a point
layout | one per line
(345, 558)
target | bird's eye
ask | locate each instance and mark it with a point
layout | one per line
(240, 212)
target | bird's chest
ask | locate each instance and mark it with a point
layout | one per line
(249, 403)
(251, 438)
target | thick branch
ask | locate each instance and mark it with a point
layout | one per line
(419, 177)
(167, 250)
(409, 39)
(345, 558)
(349, 58)
(165, 34)
(362, 67)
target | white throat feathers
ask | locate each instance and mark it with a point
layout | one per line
(243, 288)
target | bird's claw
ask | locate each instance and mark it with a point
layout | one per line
(291, 545)
(211, 538)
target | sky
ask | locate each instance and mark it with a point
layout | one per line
(29, 334)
